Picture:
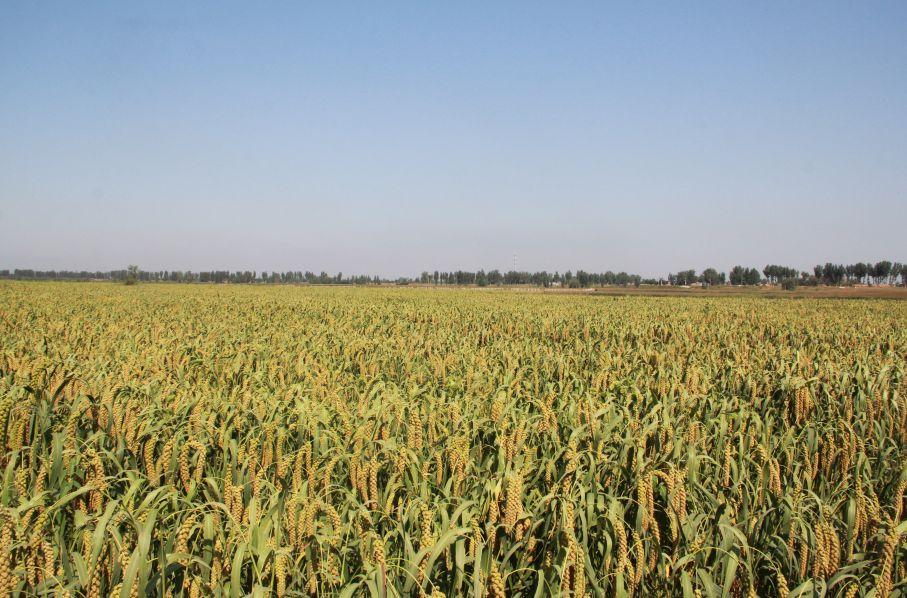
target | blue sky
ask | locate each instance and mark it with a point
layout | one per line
(394, 137)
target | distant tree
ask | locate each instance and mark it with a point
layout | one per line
(895, 273)
(683, 278)
(808, 280)
(737, 275)
(711, 277)
(830, 274)
(775, 273)
(688, 276)
(881, 271)
(744, 276)
(132, 274)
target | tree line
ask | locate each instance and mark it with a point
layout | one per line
(579, 279)
(204, 276)
(882, 272)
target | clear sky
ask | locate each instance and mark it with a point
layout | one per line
(388, 138)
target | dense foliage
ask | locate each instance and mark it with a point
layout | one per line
(211, 440)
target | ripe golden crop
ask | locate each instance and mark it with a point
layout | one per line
(232, 440)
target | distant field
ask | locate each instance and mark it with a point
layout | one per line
(877, 292)
(217, 440)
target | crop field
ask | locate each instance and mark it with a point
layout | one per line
(168, 440)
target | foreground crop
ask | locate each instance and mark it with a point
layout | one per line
(225, 440)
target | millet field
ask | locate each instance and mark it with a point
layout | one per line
(233, 440)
